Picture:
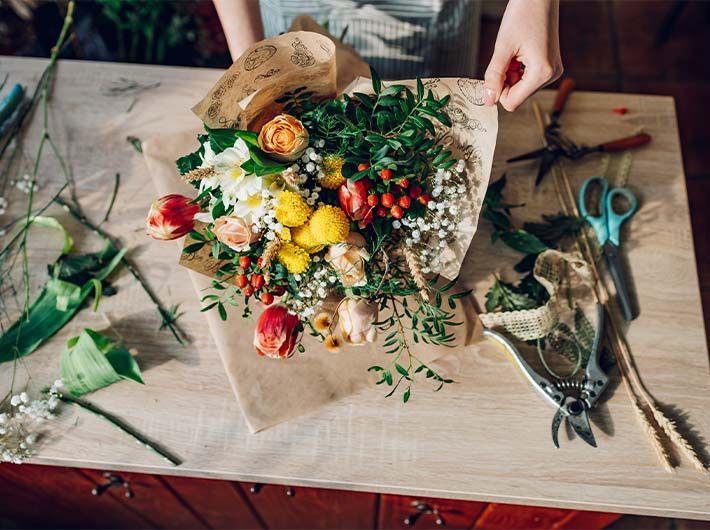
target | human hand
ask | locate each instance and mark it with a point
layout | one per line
(528, 34)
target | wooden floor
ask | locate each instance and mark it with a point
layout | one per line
(610, 45)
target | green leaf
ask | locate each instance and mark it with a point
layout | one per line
(401, 369)
(92, 361)
(194, 247)
(51, 222)
(523, 241)
(193, 160)
(56, 304)
(376, 81)
(407, 394)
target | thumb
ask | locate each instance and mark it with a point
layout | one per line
(495, 76)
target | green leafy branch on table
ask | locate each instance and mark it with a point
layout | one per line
(86, 366)
(531, 240)
(534, 238)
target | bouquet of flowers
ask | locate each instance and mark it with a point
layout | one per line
(332, 213)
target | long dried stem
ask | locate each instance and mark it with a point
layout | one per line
(632, 381)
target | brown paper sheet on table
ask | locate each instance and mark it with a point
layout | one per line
(272, 391)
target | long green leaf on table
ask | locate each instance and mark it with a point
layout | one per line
(56, 304)
(92, 361)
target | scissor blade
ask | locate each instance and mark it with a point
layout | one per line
(528, 156)
(556, 422)
(611, 252)
(580, 424)
(545, 164)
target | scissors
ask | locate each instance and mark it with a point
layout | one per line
(559, 145)
(573, 398)
(606, 225)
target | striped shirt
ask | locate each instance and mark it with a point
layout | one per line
(401, 39)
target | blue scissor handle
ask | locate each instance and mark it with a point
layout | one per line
(615, 219)
(598, 222)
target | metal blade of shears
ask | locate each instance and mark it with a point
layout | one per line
(556, 422)
(538, 153)
(545, 164)
(580, 424)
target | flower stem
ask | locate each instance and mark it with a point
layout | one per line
(163, 311)
(123, 426)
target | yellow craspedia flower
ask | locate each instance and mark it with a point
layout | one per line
(291, 209)
(285, 234)
(294, 258)
(302, 236)
(332, 172)
(329, 225)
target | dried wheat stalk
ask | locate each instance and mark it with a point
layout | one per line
(632, 381)
(270, 251)
(415, 269)
(198, 173)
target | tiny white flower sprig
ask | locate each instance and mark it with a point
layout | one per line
(429, 234)
(20, 420)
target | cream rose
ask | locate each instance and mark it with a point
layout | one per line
(234, 232)
(357, 321)
(283, 138)
(348, 260)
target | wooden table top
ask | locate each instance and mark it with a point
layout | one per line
(485, 438)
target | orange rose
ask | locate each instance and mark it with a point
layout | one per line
(234, 232)
(284, 138)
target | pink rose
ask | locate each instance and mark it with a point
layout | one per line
(276, 332)
(357, 319)
(234, 232)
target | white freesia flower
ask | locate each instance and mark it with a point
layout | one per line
(229, 176)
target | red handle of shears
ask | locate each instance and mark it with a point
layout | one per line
(566, 87)
(623, 144)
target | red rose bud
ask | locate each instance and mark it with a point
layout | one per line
(363, 166)
(171, 217)
(387, 200)
(397, 212)
(353, 200)
(415, 192)
(276, 332)
(404, 201)
(241, 281)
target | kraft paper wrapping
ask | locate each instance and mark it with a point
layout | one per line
(272, 391)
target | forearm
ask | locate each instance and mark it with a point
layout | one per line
(241, 22)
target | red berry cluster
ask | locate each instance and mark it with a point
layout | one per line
(251, 281)
(396, 202)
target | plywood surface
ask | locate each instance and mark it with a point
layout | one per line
(485, 438)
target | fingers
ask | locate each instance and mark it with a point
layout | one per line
(495, 75)
(537, 75)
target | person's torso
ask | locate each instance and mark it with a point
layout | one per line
(401, 39)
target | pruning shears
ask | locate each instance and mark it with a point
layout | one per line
(559, 145)
(572, 398)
